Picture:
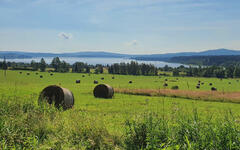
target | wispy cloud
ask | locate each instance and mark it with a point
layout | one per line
(66, 36)
(132, 43)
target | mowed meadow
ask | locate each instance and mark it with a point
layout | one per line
(141, 115)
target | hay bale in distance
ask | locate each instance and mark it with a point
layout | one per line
(95, 82)
(103, 91)
(210, 84)
(78, 81)
(60, 97)
(165, 84)
(175, 87)
(130, 82)
(214, 89)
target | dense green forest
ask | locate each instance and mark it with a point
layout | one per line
(224, 60)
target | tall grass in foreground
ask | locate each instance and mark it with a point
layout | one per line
(24, 125)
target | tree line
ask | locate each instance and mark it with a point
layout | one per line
(132, 68)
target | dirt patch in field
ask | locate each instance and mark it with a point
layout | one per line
(233, 97)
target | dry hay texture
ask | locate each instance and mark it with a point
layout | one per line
(103, 91)
(60, 97)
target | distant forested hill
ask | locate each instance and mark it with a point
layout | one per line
(224, 60)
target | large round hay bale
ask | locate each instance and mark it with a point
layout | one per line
(59, 96)
(103, 91)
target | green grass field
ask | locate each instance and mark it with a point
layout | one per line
(109, 114)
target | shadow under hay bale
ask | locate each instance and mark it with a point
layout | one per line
(214, 89)
(60, 97)
(130, 82)
(165, 84)
(41, 76)
(78, 81)
(95, 82)
(103, 91)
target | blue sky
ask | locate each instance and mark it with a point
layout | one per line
(122, 26)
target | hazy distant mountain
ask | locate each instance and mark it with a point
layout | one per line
(153, 57)
(16, 54)
(167, 56)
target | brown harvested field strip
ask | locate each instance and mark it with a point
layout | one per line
(233, 97)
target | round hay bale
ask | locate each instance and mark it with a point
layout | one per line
(103, 91)
(95, 82)
(210, 84)
(198, 87)
(60, 97)
(41, 76)
(130, 82)
(78, 81)
(175, 87)
(214, 89)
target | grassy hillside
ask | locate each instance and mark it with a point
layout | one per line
(116, 123)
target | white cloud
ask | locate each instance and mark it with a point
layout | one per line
(132, 43)
(66, 36)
